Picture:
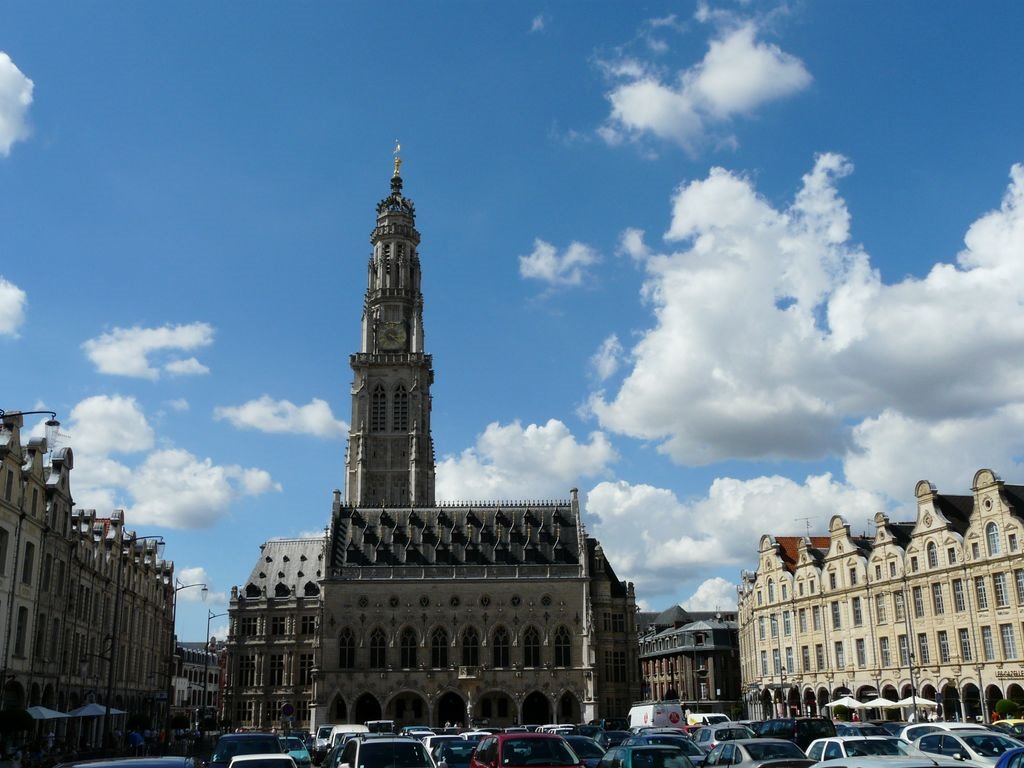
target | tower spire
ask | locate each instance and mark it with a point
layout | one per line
(390, 459)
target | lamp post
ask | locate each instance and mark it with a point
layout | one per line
(178, 587)
(210, 616)
(124, 548)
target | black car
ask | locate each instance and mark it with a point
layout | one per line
(690, 749)
(800, 730)
(231, 744)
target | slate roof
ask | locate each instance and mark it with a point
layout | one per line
(517, 533)
(286, 567)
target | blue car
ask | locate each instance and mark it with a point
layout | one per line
(1013, 758)
(587, 750)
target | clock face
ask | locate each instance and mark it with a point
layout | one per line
(392, 336)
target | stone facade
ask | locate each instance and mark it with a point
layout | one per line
(426, 613)
(934, 605)
(69, 582)
(691, 657)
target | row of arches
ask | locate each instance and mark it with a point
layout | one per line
(494, 707)
(954, 701)
(440, 649)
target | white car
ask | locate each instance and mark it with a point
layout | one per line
(915, 731)
(982, 747)
(879, 761)
(859, 746)
(263, 760)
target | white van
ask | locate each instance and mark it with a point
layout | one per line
(339, 732)
(663, 714)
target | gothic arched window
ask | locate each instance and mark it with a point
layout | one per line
(992, 538)
(378, 409)
(933, 555)
(531, 647)
(378, 649)
(408, 645)
(563, 648)
(500, 648)
(346, 649)
(470, 648)
(400, 410)
(439, 648)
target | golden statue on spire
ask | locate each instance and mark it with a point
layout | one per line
(398, 160)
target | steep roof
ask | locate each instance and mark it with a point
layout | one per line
(287, 567)
(956, 509)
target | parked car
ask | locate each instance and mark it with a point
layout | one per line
(913, 731)
(860, 729)
(296, 747)
(454, 754)
(758, 753)
(1013, 727)
(980, 747)
(398, 751)
(800, 730)
(690, 748)
(645, 756)
(132, 762)
(858, 746)
(609, 739)
(587, 750)
(510, 750)
(266, 760)
(875, 761)
(231, 744)
(1012, 759)
(710, 736)
(892, 727)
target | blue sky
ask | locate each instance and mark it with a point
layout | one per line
(728, 269)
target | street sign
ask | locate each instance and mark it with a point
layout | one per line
(287, 710)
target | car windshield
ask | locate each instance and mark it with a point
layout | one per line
(772, 750)
(292, 742)
(871, 747)
(990, 745)
(536, 752)
(324, 731)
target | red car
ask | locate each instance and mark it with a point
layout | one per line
(516, 750)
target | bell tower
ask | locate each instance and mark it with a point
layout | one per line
(390, 456)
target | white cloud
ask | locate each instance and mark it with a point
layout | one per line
(12, 308)
(174, 489)
(547, 265)
(196, 575)
(106, 424)
(179, 404)
(168, 487)
(606, 360)
(773, 335)
(537, 23)
(186, 367)
(514, 462)
(738, 74)
(660, 543)
(127, 351)
(15, 99)
(715, 594)
(281, 416)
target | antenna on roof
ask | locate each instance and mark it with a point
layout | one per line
(807, 524)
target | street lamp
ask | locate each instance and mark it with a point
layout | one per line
(210, 616)
(134, 543)
(178, 587)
